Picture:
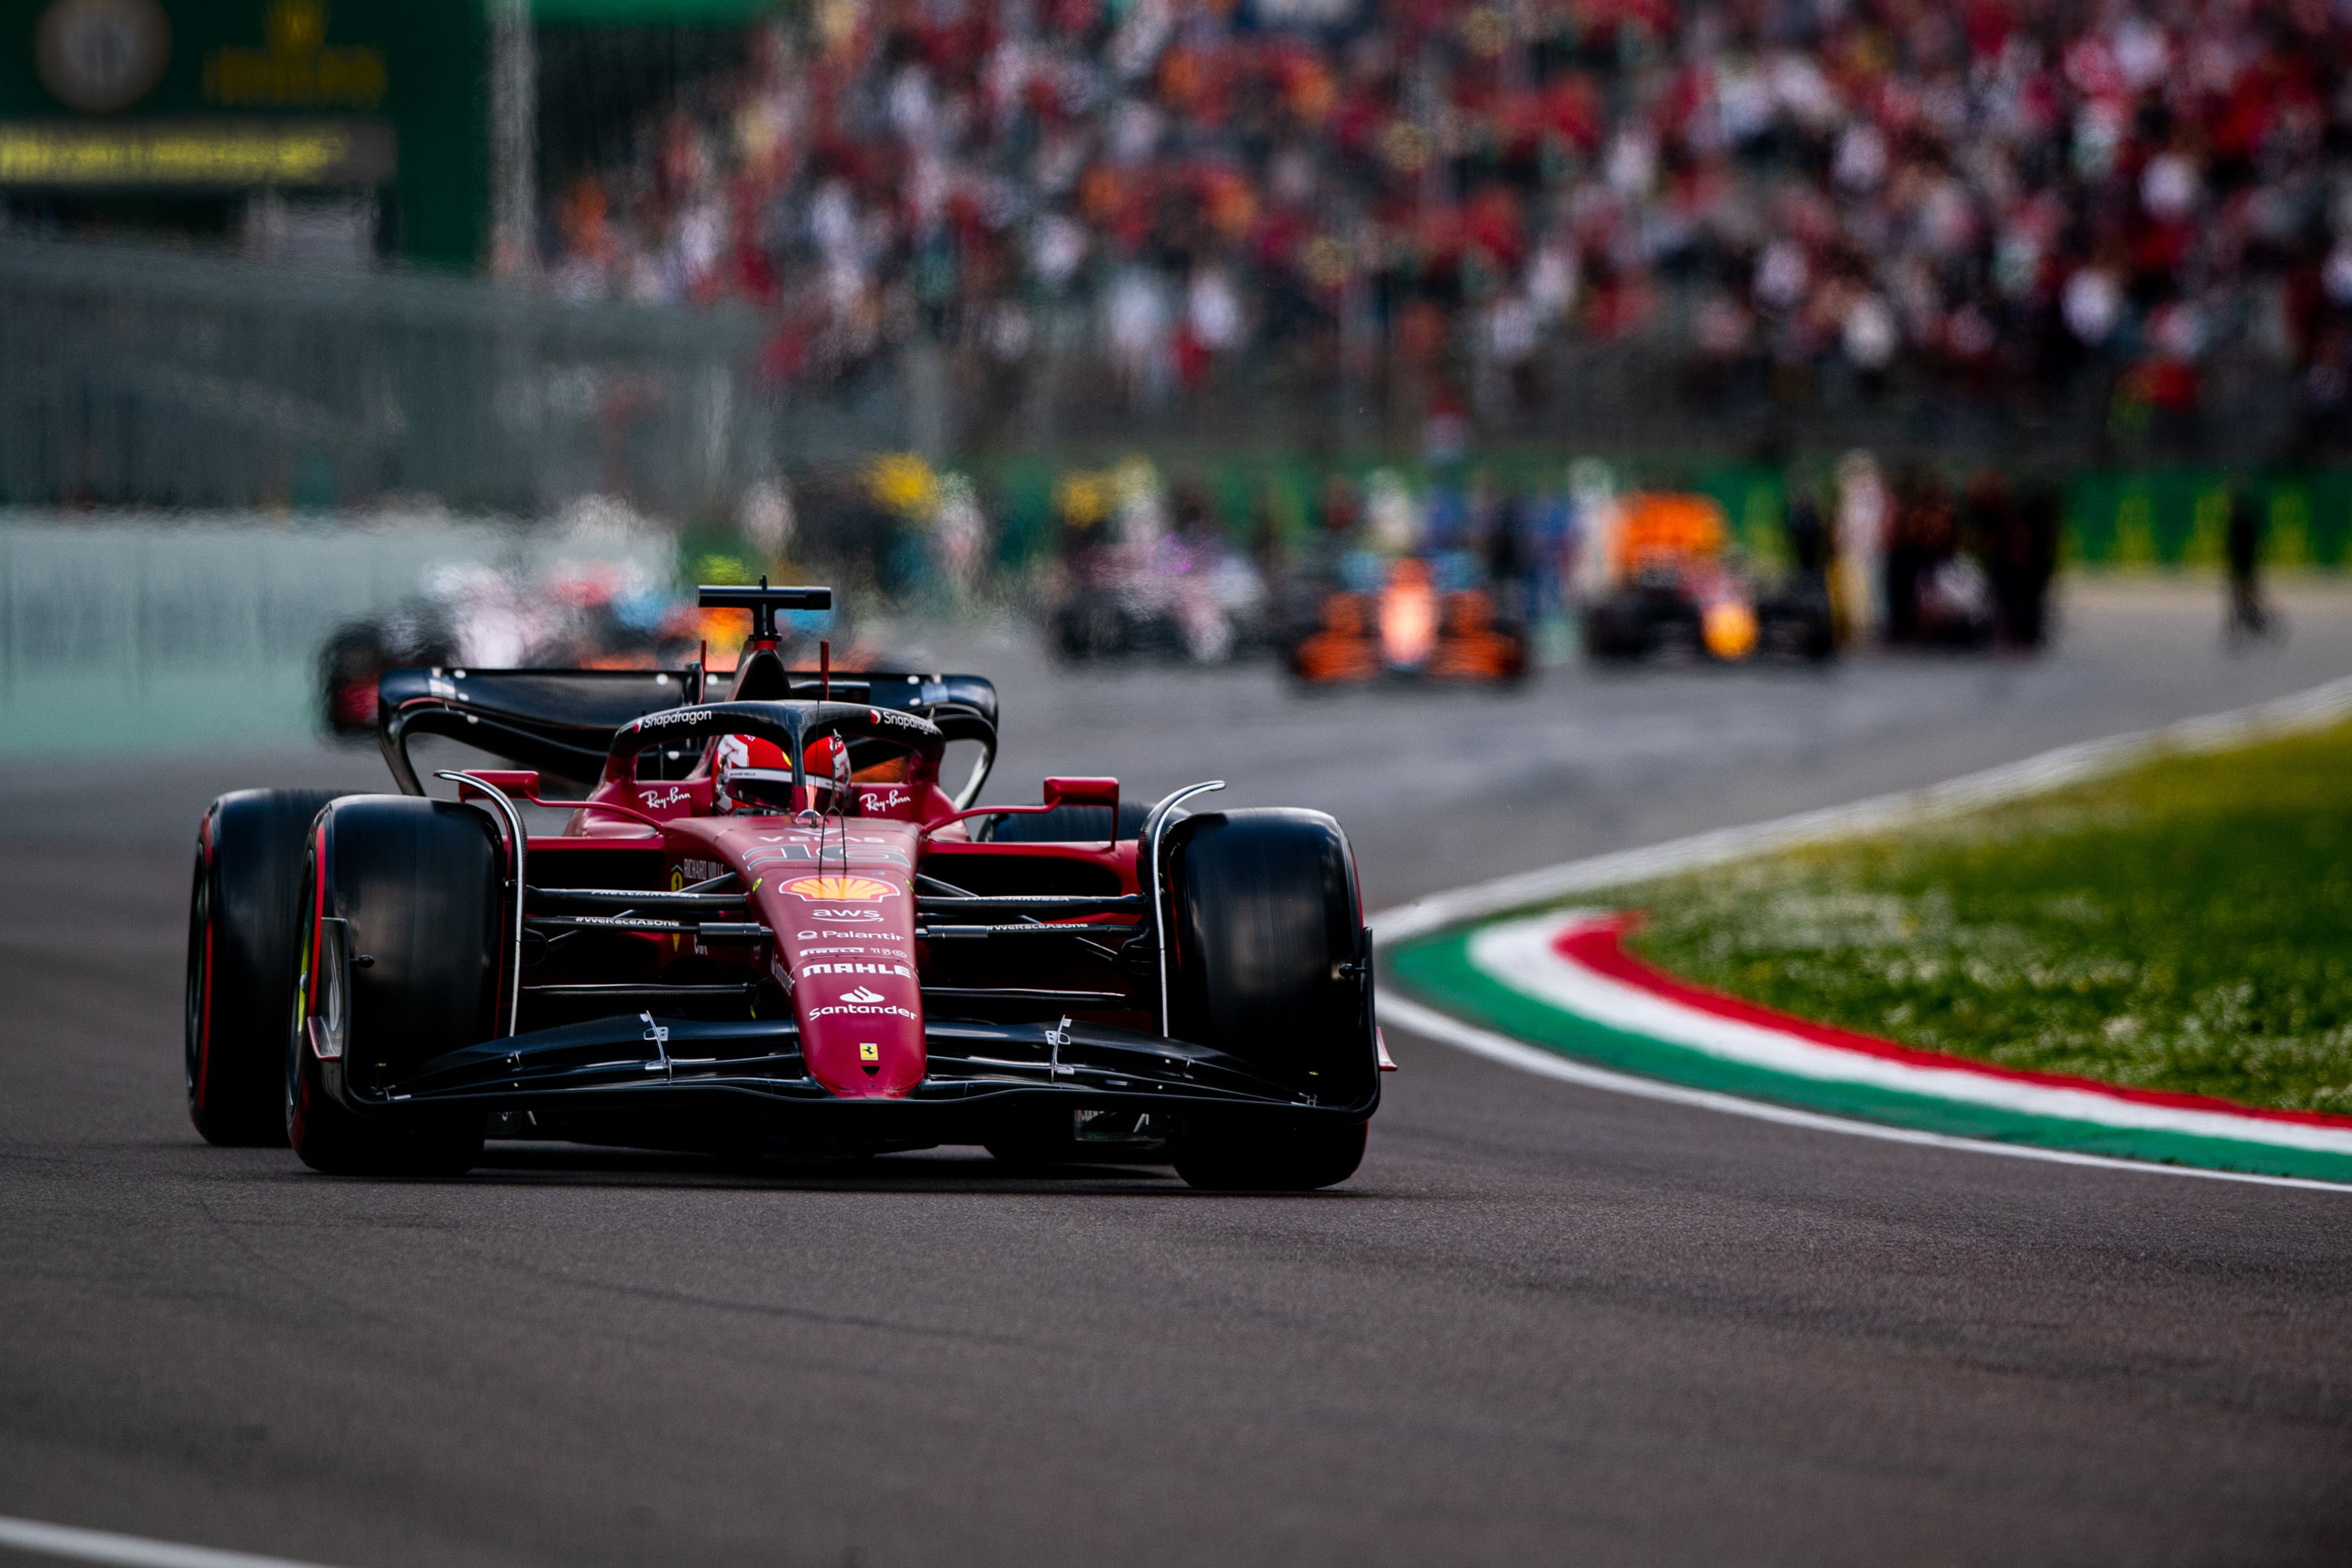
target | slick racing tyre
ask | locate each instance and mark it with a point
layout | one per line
(244, 928)
(400, 964)
(1269, 961)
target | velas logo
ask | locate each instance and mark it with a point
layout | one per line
(841, 889)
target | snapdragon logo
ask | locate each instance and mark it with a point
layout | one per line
(902, 720)
(672, 716)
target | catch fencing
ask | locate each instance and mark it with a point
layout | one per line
(144, 378)
(140, 378)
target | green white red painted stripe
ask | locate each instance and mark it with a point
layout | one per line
(1562, 982)
(1589, 1014)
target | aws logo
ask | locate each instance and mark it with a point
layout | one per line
(841, 889)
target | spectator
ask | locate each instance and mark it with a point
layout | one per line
(2249, 617)
(1996, 197)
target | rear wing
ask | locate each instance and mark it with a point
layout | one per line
(562, 722)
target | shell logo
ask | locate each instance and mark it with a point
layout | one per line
(840, 889)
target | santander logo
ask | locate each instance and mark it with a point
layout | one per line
(862, 997)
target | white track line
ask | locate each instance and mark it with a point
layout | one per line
(2304, 710)
(1420, 1019)
(135, 1550)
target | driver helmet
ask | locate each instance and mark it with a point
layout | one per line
(754, 775)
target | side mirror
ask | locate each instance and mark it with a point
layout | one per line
(1083, 792)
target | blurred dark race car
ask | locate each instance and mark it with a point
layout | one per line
(1410, 626)
(1183, 595)
(771, 927)
(1674, 594)
(592, 617)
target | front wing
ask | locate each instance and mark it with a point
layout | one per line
(664, 1076)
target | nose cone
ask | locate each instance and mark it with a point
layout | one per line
(846, 946)
(861, 1026)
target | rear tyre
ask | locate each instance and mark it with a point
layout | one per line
(399, 965)
(1298, 1158)
(1269, 962)
(244, 930)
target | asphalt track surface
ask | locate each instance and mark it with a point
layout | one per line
(1542, 1324)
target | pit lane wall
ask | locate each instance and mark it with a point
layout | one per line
(185, 631)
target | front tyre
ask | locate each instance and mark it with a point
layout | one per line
(245, 926)
(400, 964)
(1269, 963)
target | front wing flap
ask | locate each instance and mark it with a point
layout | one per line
(642, 1061)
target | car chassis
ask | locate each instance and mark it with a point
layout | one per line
(878, 967)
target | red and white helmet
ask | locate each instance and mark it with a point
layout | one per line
(756, 775)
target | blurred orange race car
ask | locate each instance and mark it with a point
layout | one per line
(1672, 592)
(1410, 627)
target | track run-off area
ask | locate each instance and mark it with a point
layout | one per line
(1559, 978)
(1546, 1321)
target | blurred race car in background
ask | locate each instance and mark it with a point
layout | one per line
(1132, 589)
(1171, 602)
(1674, 593)
(1413, 623)
(588, 615)
(593, 615)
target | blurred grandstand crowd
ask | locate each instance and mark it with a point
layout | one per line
(1990, 194)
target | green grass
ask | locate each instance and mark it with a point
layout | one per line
(2184, 925)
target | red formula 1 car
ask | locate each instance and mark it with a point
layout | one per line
(768, 931)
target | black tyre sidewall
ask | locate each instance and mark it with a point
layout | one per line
(417, 882)
(1264, 913)
(1265, 933)
(245, 928)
